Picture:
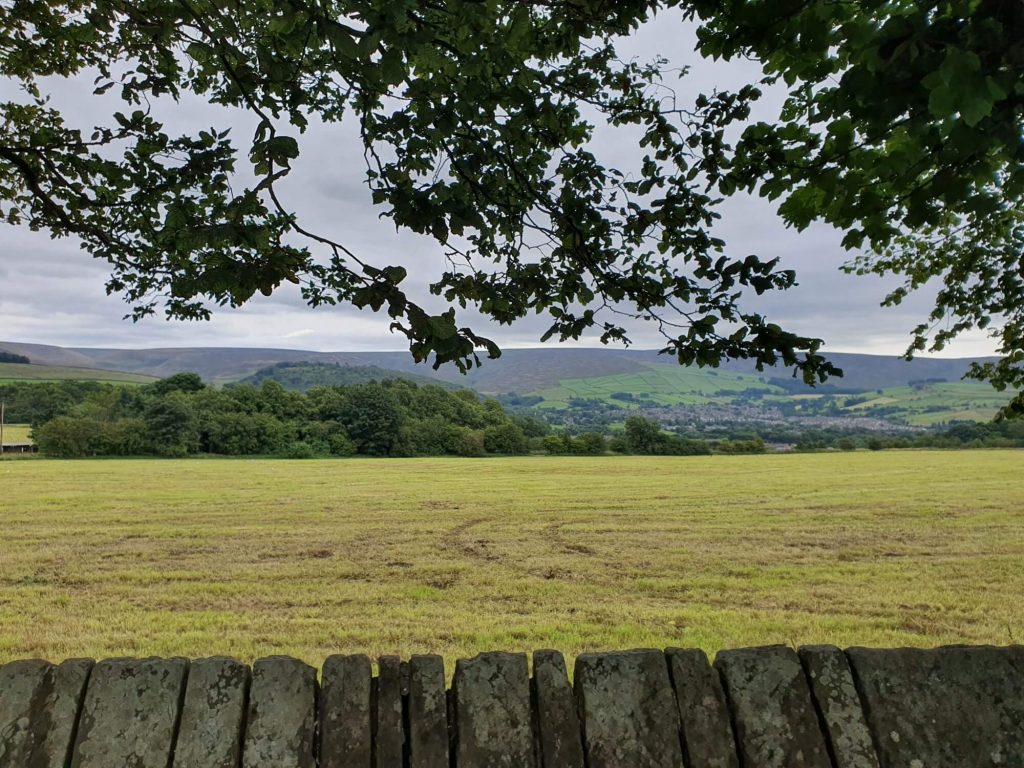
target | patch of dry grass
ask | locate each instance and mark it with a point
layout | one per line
(249, 558)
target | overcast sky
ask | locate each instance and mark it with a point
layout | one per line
(52, 293)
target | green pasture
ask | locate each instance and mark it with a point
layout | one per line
(668, 385)
(938, 403)
(661, 384)
(17, 433)
(254, 557)
(11, 373)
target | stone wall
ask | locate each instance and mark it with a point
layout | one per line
(819, 707)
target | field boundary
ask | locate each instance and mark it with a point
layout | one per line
(817, 707)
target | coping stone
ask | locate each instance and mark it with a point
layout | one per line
(20, 688)
(628, 708)
(776, 723)
(57, 714)
(493, 717)
(835, 695)
(948, 707)
(281, 720)
(703, 713)
(212, 715)
(558, 724)
(428, 713)
(129, 713)
(345, 729)
(389, 741)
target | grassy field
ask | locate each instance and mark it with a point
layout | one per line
(661, 385)
(15, 372)
(17, 433)
(247, 558)
(668, 385)
(934, 403)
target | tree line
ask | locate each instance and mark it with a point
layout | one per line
(182, 416)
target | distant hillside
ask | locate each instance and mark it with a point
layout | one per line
(216, 364)
(303, 376)
(518, 370)
(14, 372)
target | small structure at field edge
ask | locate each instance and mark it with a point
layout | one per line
(773, 707)
(19, 448)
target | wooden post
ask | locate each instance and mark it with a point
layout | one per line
(3, 408)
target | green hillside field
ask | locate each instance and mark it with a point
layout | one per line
(660, 385)
(15, 372)
(308, 558)
(922, 405)
(925, 404)
(17, 433)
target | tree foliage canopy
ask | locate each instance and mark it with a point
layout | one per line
(902, 127)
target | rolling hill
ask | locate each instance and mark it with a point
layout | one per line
(304, 376)
(13, 372)
(921, 392)
(518, 370)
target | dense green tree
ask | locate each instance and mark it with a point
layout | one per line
(435, 436)
(280, 402)
(532, 426)
(69, 437)
(326, 403)
(470, 443)
(38, 402)
(554, 444)
(171, 425)
(645, 437)
(642, 435)
(505, 438)
(179, 382)
(590, 444)
(240, 434)
(373, 420)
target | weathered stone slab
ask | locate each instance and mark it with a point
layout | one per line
(281, 718)
(836, 697)
(704, 716)
(129, 714)
(629, 713)
(776, 724)
(428, 713)
(558, 725)
(389, 740)
(492, 705)
(345, 731)
(21, 684)
(944, 708)
(213, 715)
(54, 723)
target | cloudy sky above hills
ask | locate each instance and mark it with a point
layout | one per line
(52, 293)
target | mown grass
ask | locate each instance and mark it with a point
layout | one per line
(247, 558)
